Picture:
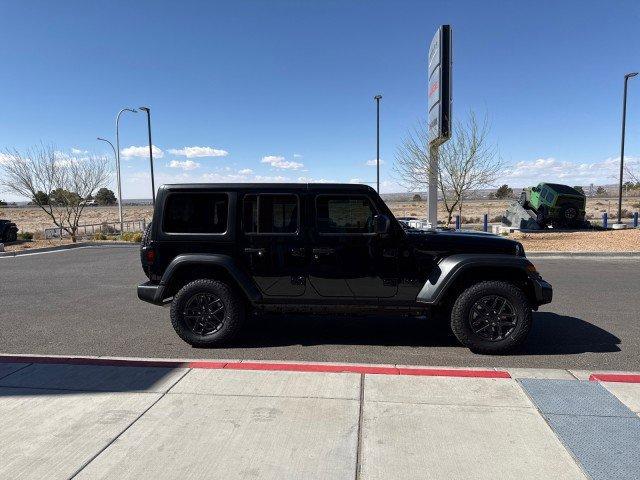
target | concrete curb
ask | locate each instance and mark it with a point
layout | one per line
(268, 366)
(67, 247)
(317, 367)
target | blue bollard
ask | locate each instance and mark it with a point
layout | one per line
(605, 223)
(485, 222)
(635, 219)
(457, 222)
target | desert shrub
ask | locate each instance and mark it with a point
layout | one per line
(107, 229)
(99, 236)
(28, 236)
(135, 237)
(496, 219)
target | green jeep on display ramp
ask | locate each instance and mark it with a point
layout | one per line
(555, 204)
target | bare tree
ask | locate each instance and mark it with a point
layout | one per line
(56, 182)
(632, 169)
(466, 163)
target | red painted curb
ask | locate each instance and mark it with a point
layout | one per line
(279, 367)
(614, 377)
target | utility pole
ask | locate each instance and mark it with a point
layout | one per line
(377, 99)
(624, 120)
(153, 187)
(118, 162)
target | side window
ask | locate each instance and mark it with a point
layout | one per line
(346, 214)
(275, 214)
(192, 212)
(549, 196)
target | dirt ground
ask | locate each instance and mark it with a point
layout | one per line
(32, 219)
(473, 210)
(595, 241)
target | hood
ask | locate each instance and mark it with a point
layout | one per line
(452, 242)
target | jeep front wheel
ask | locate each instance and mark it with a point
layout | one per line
(491, 317)
(206, 313)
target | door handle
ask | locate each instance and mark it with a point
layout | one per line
(323, 251)
(259, 251)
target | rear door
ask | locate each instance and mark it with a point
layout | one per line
(272, 243)
(347, 258)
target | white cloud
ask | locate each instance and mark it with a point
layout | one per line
(314, 180)
(277, 161)
(373, 163)
(245, 171)
(355, 180)
(196, 152)
(550, 169)
(77, 151)
(141, 151)
(186, 165)
(297, 155)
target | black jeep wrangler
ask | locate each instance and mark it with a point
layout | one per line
(220, 251)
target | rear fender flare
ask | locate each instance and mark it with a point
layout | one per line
(224, 261)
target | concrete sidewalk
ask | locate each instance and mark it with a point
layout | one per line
(93, 418)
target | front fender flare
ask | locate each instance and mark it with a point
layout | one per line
(450, 268)
(225, 261)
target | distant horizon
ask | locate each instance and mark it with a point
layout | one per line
(384, 194)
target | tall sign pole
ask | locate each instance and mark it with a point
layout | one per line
(439, 116)
(377, 99)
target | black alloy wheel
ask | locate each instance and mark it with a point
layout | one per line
(204, 314)
(492, 318)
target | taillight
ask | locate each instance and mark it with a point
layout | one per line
(150, 255)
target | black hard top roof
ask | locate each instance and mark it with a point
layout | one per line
(563, 189)
(270, 186)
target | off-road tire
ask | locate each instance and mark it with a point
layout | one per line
(146, 239)
(542, 217)
(234, 313)
(568, 222)
(460, 313)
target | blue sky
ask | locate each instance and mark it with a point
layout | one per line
(283, 90)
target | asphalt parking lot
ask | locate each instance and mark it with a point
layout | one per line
(83, 302)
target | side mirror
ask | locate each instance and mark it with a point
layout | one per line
(381, 224)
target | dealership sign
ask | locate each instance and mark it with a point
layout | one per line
(440, 87)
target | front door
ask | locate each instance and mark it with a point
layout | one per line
(347, 258)
(272, 245)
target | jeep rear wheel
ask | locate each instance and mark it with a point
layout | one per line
(569, 215)
(491, 317)
(207, 313)
(144, 242)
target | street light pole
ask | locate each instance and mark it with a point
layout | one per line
(153, 187)
(624, 120)
(118, 161)
(377, 99)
